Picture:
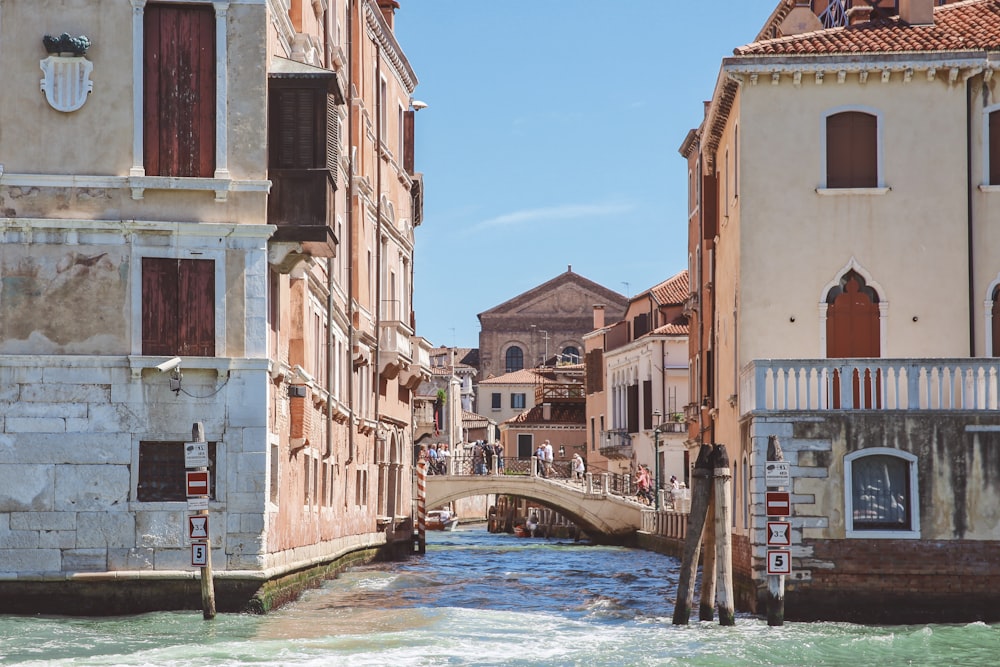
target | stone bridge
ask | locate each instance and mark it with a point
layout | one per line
(603, 516)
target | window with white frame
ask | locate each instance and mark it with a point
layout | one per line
(880, 494)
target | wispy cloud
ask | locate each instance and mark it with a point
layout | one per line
(547, 214)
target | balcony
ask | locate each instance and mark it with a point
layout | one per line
(301, 207)
(420, 369)
(616, 444)
(395, 352)
(870, 384)
(559, 393)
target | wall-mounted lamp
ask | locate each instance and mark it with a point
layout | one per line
(418, 105)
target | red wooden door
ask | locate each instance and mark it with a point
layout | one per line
(852, 330)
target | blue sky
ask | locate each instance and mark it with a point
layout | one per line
(551, 139)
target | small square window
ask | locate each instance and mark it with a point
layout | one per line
(162, 474)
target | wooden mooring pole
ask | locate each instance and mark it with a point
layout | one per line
(701, 490)
(422, 507)
(723, 535)
(207, 580)
(775, 582)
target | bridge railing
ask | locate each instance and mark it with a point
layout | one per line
(665, 523)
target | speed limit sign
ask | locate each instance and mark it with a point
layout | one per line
(199, 554)
(779, 561)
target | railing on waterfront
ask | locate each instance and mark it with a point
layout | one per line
(870, 384)
(665, 523)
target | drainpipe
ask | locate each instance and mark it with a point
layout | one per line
(329, 280)
(351, 335)
(969, 221)
(380, 104)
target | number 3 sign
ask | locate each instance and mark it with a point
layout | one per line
(779, 562)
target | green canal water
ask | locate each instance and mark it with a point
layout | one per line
(483, 599)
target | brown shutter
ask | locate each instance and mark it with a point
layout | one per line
(994, 148)
(332, 137)
(179, 90)
(196, 312)
(159, 306)
(647, 404)
(632, 407)
(408, 141)
(852, 150)
(838, 151)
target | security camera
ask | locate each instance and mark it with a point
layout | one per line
(170, 365)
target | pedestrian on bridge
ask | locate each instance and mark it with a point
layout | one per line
(548, 459)
(579, 467)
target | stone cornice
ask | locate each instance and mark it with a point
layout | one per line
(380, 31)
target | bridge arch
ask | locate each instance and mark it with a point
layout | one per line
(604, 518)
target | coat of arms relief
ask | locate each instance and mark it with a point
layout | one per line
(67, 72)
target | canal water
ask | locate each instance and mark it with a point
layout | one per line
(483, 599)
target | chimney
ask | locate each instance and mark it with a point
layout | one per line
(547, 411)
(389, 8)
(598, 316)
(917, 12)
(856, 15)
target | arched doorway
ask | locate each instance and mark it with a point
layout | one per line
(852, 331)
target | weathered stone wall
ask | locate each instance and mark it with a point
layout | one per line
(69, 463)
(949, 572)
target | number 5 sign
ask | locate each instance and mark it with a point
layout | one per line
(199, 554)
(779, 561)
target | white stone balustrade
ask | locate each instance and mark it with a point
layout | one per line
(870, 384)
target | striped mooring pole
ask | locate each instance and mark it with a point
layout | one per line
(422, 507)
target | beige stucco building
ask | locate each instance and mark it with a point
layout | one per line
(209, 213)
(637, 385)
(844, 289)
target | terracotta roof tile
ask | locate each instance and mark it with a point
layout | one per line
(523, 376)
(673, 290)
(964, 26)
(672, 329)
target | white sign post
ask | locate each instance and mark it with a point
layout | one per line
(196, 455)
(777, 474)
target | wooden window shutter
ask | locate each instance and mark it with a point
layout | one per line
(178, 307)
(852, 150)
(647, 404)
(196, 312)
(994, 148)
(632, 407)
(408, 141)
(332, 137)
(179, 90)
(159, 306)
(294, 132)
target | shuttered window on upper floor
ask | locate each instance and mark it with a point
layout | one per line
(178, 307)
(994, 147)
(179, 90)
(852, 150)
(304, 126)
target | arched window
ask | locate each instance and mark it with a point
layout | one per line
(514, 359)
(880, 494)
(571, 355)
(852, 150)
